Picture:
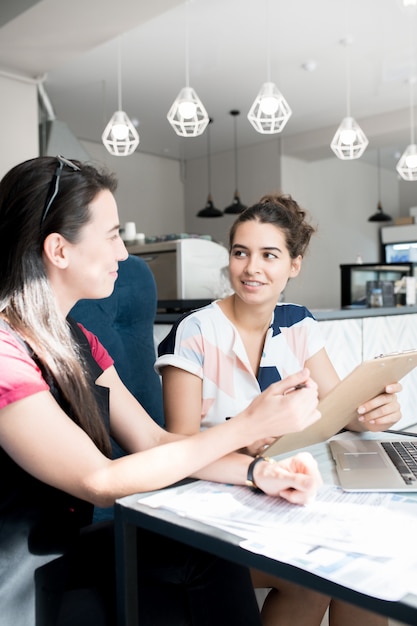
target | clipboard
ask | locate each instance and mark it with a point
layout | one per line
(338, 408)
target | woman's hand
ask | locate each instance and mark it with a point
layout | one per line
(259, 446)
(296, 479)
(381, 412)
(282, 408)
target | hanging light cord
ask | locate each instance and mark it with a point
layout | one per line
(209, 159)
(412, 78)
(379, 176)
(235, 144)
(347, 43)
(187, 46)
(119, 75)
(412, 81)
(268, 42)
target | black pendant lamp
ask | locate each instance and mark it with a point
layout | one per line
(209, 210)
(379, 216)
(236, 206)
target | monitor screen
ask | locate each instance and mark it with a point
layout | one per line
(401, 252)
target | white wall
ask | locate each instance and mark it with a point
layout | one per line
(150, 190)
(408, 195)
(258, 173)
(339, 195)
(18, 122)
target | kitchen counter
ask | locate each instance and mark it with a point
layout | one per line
(358, 312)
(170, 315)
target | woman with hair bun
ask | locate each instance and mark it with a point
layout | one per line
(217, 359)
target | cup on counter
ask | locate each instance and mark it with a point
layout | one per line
(129, 233)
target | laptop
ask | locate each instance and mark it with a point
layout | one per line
(376, 465)
(339, 407)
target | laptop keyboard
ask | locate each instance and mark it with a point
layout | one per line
(404, 456)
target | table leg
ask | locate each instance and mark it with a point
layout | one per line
(126, 570)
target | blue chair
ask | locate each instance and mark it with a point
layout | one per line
(124, 324)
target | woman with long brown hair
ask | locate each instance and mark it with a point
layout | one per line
(61, 399)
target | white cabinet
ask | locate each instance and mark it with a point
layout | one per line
(343, 343)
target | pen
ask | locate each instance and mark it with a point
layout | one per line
(291, 389)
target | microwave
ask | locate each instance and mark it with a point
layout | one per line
(399, 243)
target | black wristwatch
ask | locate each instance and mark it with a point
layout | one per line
(250, 482)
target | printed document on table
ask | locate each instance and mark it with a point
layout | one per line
(359, 540)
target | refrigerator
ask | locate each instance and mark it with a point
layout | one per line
(359, 280)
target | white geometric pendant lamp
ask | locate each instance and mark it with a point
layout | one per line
(349, 141)
(187, 115)
(270, 111)
(120, 137)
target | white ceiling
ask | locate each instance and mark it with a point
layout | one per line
(75, 46)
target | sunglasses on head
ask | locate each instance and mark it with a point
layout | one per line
(54, 186)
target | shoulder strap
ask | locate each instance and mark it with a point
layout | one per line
(85, 348)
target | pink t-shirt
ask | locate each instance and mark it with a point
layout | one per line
(20, 377)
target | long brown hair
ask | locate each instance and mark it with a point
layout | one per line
(26, 298)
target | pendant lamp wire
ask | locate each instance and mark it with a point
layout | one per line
(119, 75)
(209, 210)
(235, 114)
(348, 43)
(412, 82)
(379, 216)
(236, 206)
(268, 41)
(187, 45)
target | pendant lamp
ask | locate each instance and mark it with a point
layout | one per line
(350, 141)
(379, 216)
(120, 137)
(408, 5)
(236, 206)
(407, 165)
(270, 111)
(187, 115)
(209, 210)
